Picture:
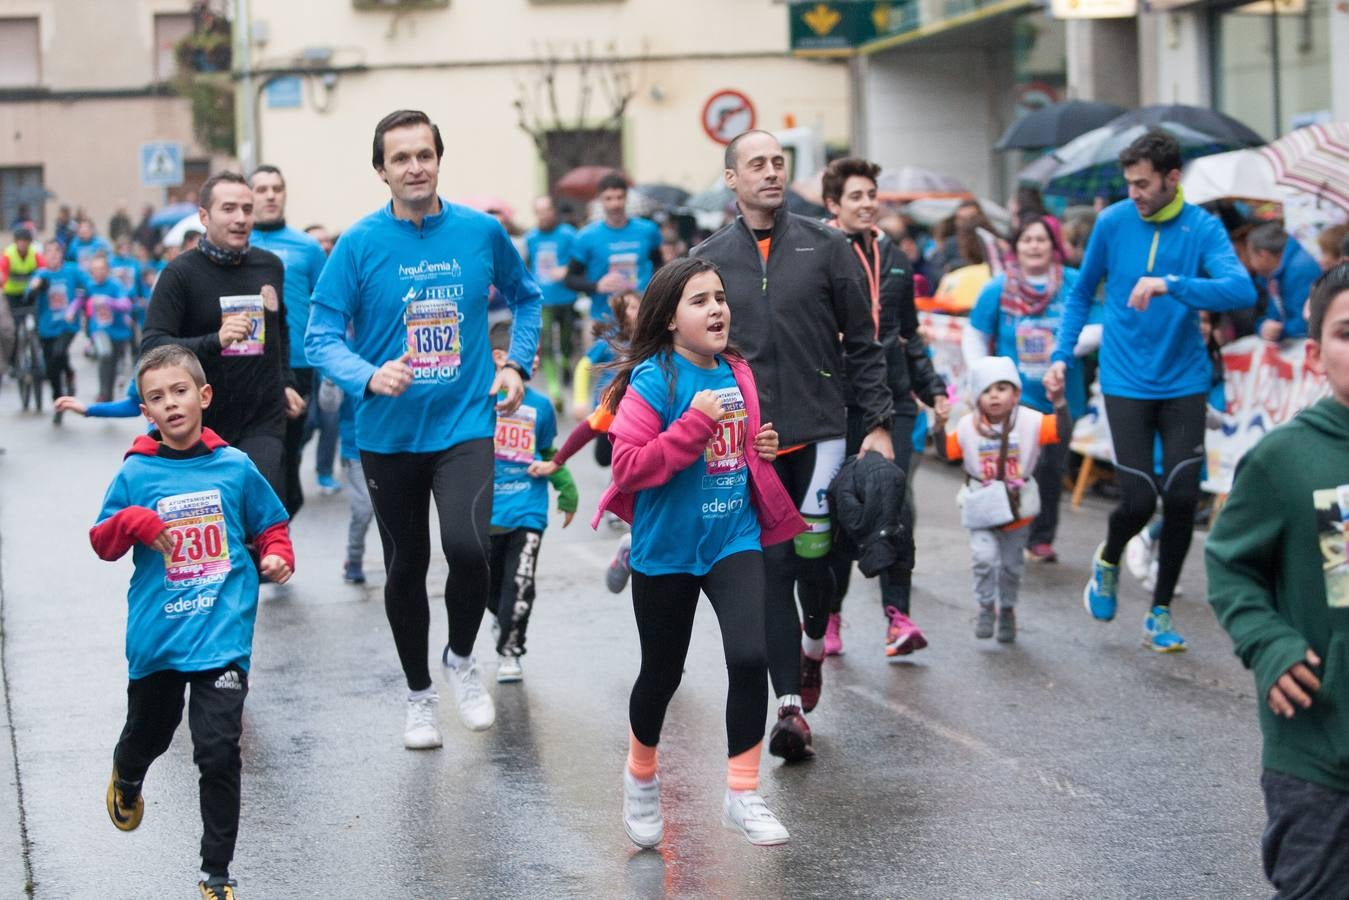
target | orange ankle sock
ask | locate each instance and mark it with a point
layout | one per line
(742, 770)
(642, 759)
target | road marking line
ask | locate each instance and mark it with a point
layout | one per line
(1059, 784)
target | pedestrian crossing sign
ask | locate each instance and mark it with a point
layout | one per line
(161, 164)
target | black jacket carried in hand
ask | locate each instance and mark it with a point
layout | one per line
(786, 317)
(866, 498)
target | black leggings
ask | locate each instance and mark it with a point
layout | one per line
(401, 488)
(295, 441)
(1134, 427)
(789, 576)
(664, 606)
(56, 357)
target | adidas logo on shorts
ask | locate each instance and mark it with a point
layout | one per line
(229, 681)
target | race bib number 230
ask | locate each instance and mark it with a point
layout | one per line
(201, 550)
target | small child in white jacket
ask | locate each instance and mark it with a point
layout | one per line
(999, 444)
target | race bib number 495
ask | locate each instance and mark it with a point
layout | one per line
(515, 435)
(201, 549)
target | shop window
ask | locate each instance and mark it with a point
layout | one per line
(22, 195)
(1271, 63)
(170, 29)
(19, 59)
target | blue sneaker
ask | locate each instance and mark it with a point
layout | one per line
(329, 485)
(1158, 633)
(1099, 594)
(352, 573)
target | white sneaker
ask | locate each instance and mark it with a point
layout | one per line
(748, 814)
(1150, 582)
(641, 811)
(1138, 557)
(476, 709)
(421, 731)
(509, 670)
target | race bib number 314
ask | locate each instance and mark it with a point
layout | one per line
(201, 550)
(726, 448)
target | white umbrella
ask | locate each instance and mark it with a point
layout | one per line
(931, 210)
(175, 235)
(1244, 174)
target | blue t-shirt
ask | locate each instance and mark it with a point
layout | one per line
(601, 353)
(63, 289)
(303, 259)
(549, 250)
(519, 501)
(421, 292)
(80, 252)
(703, 514)
(193, 609)
(1030, 340)
(627, 251)
(104, 314)
(126, 271)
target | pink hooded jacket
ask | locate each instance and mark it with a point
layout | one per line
(647, 457)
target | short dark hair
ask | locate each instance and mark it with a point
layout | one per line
(208, 186)
(402, 118)
(613, 181)
(166, 355)
(1324, 291)
(1344, 246)
(22, 234)
(1156, 147)
(733, 148)
(499, 336)
(838, 172)
(267, 169)
(1269, 237)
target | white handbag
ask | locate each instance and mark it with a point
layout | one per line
(997, 503)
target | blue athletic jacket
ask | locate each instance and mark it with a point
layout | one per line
(303, 258)
(1158, 353)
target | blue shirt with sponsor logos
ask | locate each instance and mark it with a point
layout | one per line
(705, 507)
(518, 500)
(421, 293)
(126, 271)
(627, 251)
(303, 258)
(548, 252)
(109, 309)
(58, 300)
(193, 609)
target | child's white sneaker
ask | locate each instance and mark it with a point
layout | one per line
(641, 810)
(476, 709)
(509, 669)
(421, 731)
(746, 812)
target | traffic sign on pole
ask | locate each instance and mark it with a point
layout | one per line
(161, 164)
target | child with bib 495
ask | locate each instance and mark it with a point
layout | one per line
(692, 475)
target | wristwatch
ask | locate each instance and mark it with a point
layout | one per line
(519, 369)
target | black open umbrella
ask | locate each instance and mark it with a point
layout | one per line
(1057, 124)
(1223, 129)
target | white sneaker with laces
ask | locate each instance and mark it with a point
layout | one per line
(476, 709)
(1138, 556)
(509, 670)
(421, 731)
(641, 810)
(746, 812)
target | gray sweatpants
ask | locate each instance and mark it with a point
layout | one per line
(361, 510)
(1305, 837)
(998, 559)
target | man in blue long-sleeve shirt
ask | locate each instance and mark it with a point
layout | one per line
(1288, 273)
(411, 281)
(1163, 260)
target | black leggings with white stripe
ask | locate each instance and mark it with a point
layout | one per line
(401, 488)
(1135, 426)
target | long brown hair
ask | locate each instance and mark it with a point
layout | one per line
(652, 335)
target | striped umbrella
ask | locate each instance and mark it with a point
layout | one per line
(1314, 159)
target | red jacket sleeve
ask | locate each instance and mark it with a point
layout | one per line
(116, 534)
(581, 435)
(646, 457)
(276, 541)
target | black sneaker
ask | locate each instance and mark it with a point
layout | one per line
(217, 887)
(790, 738)
(1006, 626)
(126, 806)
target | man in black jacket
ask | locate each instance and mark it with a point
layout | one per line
(849, 189)
(794, 288)
(245, 352)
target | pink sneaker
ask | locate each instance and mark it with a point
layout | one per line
(833, 638)
(902, 637)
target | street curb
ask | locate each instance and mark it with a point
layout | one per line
(12, 750)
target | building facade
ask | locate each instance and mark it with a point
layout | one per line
(522, 90)
(83, 84)
(935, 82)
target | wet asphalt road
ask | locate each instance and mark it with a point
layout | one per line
(1072, 764)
